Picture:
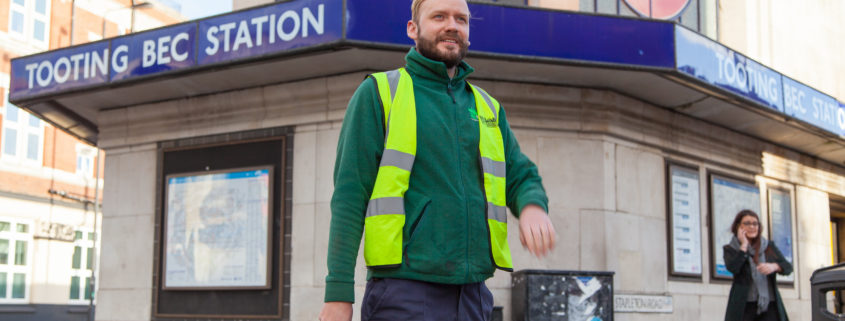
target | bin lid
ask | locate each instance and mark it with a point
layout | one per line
(835, 273)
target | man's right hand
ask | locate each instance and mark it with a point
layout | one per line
(336, 311)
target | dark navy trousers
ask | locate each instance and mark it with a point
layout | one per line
(409, 300)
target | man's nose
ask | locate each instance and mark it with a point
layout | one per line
(452, 24)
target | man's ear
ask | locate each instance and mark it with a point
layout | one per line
(412, 30)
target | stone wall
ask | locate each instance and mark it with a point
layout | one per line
(601, 154)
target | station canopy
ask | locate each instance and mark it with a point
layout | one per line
(659, 62)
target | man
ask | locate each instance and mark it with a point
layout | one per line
(426, 164)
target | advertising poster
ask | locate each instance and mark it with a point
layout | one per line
(217, 232)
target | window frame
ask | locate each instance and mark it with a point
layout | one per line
(11, 269)
(84, 272)
(88, 152)
(30, 16)
(23, 129)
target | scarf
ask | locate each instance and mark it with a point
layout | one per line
(761, 283)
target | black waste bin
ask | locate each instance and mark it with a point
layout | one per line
(553, 295)
(824, 280)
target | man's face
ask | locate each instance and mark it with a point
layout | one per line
(442, 32)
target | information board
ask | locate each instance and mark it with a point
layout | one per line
(685, 221)
(780, 230)
(728, 197)
(217, 232)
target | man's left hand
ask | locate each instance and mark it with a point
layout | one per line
(536, 231)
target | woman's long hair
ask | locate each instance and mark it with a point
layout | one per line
(755, 242)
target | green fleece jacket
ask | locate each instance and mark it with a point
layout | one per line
(445, 237)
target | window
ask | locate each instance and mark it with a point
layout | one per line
(85, 160)
(81, 266)
(23, 136)
(30, 20)
(15, 260)
(698, 15)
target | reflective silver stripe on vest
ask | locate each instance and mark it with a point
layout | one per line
(488, 100)
(393, 83)
(392, 157)
(386, 205)
(498, 213)
(493, 167)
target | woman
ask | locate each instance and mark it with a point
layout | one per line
(753, 260)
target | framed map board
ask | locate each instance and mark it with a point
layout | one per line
(217, 232)
(728, 196)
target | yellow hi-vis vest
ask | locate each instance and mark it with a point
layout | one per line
(385, 217)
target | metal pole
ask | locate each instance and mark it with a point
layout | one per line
(72, 16)
(103, 32)
(132, 21)
(96, 234)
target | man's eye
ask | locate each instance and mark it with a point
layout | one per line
(440, 16)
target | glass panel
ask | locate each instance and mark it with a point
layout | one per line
(77, 257)
(20, 252)
(77, 235)
(20, 2)
(10, 139)
(88, 292)
(34, 121)
(32, 147)
(90, 258)
(17, 22)
(23, 228)
(41, 6)
(74, 288)
(90, 236)
(19, 286)
(4, 252)
(38, 30)
(5, 226)
(12, 112)
(3, 286)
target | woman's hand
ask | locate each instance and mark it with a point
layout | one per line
(768, 268)
(743, 240)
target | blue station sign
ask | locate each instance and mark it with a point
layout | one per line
(534, 34)
(814, 107)
(153, 52)
(60, 70)
(239, 35)
(721, 67)
(268, 30)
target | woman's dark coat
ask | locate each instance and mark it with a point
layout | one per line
(736, 262)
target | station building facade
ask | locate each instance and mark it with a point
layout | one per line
(650, 130)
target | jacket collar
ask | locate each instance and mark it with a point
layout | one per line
(423, 67)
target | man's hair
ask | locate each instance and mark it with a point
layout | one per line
(415, 10)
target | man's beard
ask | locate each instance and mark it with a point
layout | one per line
(428, 49)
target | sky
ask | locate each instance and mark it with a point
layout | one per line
(195, 9)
